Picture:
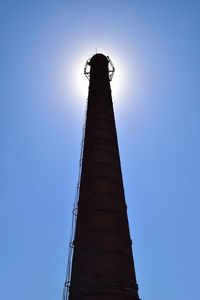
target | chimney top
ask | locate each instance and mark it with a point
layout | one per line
(98, 59)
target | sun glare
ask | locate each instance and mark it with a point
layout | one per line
(79, 83)
(123, 83)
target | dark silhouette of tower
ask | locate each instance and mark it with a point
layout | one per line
(102, 264)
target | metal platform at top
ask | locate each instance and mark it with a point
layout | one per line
(111, 68)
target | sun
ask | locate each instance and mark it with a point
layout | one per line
(81, 83)
(77, 84)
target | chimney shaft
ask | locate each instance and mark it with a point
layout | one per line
(102, 265)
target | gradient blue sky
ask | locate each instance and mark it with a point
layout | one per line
(155, 48)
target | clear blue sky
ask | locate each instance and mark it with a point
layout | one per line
(157, 115)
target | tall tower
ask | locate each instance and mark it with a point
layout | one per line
(102, 264)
